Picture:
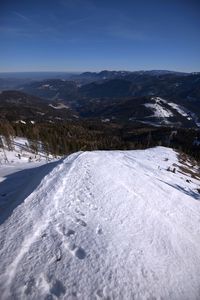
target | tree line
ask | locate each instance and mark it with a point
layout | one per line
(61, 138)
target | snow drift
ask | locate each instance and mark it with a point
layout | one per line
(105, 225)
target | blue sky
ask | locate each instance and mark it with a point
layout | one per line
(92, 35)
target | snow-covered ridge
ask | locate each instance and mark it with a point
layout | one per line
(105, 225)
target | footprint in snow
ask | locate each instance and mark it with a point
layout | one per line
(81, 222)
(99, 230)
(102, 294)
(66, 232)
(80, 253)
(99, 294)
(44, 235)
(79, 212)
(79, 200)
(58, 289)
(70, 232)
(58, 255)
(30, 286)
(55, 289)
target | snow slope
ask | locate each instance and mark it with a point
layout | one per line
(22, 153)
(104, 225)
(158, 110)
(163, 109)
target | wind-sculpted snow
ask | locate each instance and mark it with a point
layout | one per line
(105, 225)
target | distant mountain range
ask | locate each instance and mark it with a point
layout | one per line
(154, 97)
(87, 77)
(183, 86)
(13, 80)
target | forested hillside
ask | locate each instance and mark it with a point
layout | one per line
(61, 138)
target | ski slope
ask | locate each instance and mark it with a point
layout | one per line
(103, 225)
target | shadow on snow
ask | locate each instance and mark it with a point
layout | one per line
(17, 186)
(189, 192)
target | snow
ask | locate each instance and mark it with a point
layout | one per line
(105, 120)
(196, 119)
(158, 110)
(21, 121)
(185, 113)
(59, 106)
(101, 225)
(40, 113)
(75, 116)
(178, 108)
(22, 152)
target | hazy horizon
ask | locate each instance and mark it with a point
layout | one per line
(92, 71)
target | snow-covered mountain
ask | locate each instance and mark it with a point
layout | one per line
(166, 112)
(102, 225)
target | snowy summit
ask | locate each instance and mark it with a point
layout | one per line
(102, 225)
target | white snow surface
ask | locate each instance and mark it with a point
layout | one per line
(59, 106)
(157, 108)
(179, 109)
(22, 153)
(101, 225)
(159, 112)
